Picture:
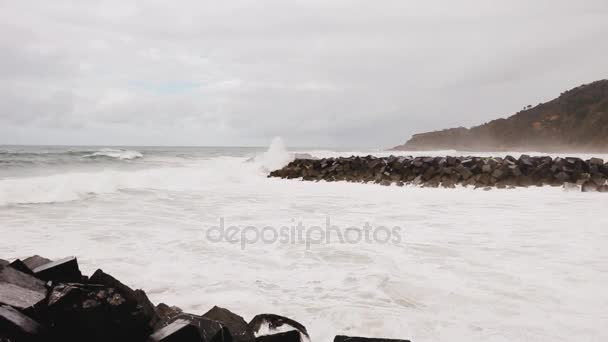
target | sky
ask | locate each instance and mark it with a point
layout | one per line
(315, 72)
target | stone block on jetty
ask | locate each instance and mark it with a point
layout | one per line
(36, 261)
(65, 270)
(237, 326)
(145, 309)
(208, 330)
(20, 290)
(80, 312)
(179, 330)
(15, 326)
(448, 172)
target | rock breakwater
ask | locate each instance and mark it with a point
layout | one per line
(480, 172)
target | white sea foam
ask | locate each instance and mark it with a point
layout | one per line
(502, 265)
(115, 153)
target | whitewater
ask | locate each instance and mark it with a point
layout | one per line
(472, 265)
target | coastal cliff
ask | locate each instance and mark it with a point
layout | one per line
(575, 121)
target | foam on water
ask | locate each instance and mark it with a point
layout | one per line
(502, 265)
(115, 153)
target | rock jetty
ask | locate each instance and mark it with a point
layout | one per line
(480, 172)
(44, 300)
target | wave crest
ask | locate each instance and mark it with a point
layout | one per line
(115, 153)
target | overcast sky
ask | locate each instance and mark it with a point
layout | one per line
(316, 72)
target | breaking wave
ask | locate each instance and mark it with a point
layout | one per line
(197, 175)
(115, 153)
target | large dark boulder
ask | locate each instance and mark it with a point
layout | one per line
(20, 290)
(79, 312)
(179, 330)
(236, 324)
(145, 308)
(3, 263)
(208, 330)
(61, 271)
(15, 326)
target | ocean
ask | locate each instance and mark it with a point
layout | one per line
(442, 264)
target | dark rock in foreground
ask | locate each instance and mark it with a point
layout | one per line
(15, 326)
(44, 300)
(483, 172)
(64, 270)
(236, 324)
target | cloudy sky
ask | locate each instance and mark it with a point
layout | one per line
(316, 72)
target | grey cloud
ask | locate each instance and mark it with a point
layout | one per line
(333, 72)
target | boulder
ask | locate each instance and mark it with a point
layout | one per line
(3, 263)
(562, 177)
(599, 180)
(288, 336)
(82, 312)
(596, 161)
(36, 261)
(603, 188)
(589, 186)
(12, 276)
(236, 324)
(208, 330)
(19, 297)
(178, 331)
(270, 322)
(20, 290)
(15, 326)
(61, 271)
(165, 314)
(20, 266)
(146, 310)
(342, 338)
(526, 160)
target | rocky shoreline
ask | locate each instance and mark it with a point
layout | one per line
(44, 300)
(481, 172)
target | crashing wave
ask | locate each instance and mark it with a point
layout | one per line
(275, 157)
(115, 153)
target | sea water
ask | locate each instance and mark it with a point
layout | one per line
(470, 265)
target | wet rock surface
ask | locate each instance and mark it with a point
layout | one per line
(447, 172)
(45, 300)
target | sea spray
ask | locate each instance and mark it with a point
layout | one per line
(275, 157)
